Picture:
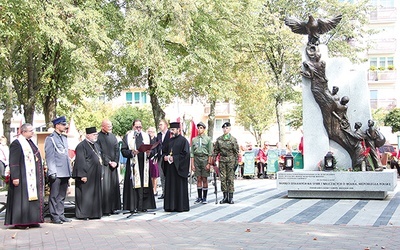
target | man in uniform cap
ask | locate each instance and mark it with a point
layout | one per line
(58, 169)
(226, 124)
(177, 156)
(201, 160)
(227, 148)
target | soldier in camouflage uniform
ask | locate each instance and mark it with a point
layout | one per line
(227, 148)
(201, 153)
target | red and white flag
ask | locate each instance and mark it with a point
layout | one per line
(193, 131)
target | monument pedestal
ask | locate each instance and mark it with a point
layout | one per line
(337, 185)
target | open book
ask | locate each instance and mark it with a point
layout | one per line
(146, 147)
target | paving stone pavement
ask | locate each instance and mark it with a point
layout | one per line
(261, 218)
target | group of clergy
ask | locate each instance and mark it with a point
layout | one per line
(95, 171)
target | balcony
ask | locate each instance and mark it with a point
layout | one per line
(382, 75)
(383, 15)
(388, 103)
(383, 46)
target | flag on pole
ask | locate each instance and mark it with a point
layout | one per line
(193, 131)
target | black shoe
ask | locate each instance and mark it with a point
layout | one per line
(34, 225)
(144, 210)
(161, 197)
(134, 211)
(106, 214)
(65, 219)
(57, 222)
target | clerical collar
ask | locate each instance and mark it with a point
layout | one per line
(89, 141)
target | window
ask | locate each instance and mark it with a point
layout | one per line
(129, 97)
(218, 124)
(136, 97)
(373, 96)
(382, 3)
(373, 61)
(381, 62)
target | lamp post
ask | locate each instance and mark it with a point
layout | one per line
(329, 161)
(288, 162)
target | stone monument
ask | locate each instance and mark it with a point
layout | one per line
(336, 119)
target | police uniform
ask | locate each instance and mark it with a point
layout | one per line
(58, 170)
(201, 151)
(227, 148)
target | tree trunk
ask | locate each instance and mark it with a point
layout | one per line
(211, 119)
(158, 112)
(29, 103)
(49, 109)
(8, 112)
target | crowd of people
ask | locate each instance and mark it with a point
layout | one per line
(149, 155)
(94, 171)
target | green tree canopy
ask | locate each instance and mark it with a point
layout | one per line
(392, 119)
(123, 117)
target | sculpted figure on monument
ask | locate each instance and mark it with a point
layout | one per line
(374, 139)
(313, 27)
(333, 108)
(335, 90)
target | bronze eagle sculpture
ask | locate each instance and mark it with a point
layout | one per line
(313, 27)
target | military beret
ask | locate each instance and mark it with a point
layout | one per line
(201, 124)
(59, 120)
(226, 124)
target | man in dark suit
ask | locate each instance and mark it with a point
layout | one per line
(58, 169)
(164, 137)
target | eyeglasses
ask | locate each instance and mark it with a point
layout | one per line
(138, 126)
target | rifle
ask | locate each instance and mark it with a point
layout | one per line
(190, 182)
(215, 168)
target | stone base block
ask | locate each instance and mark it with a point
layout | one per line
(337, 185)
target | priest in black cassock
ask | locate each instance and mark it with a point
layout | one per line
(138, 189)
(87, 173)
(176, 172)
(109, 148)
(26, 188)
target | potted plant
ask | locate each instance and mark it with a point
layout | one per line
(372, 68)
(390, 67)
(381, 68)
